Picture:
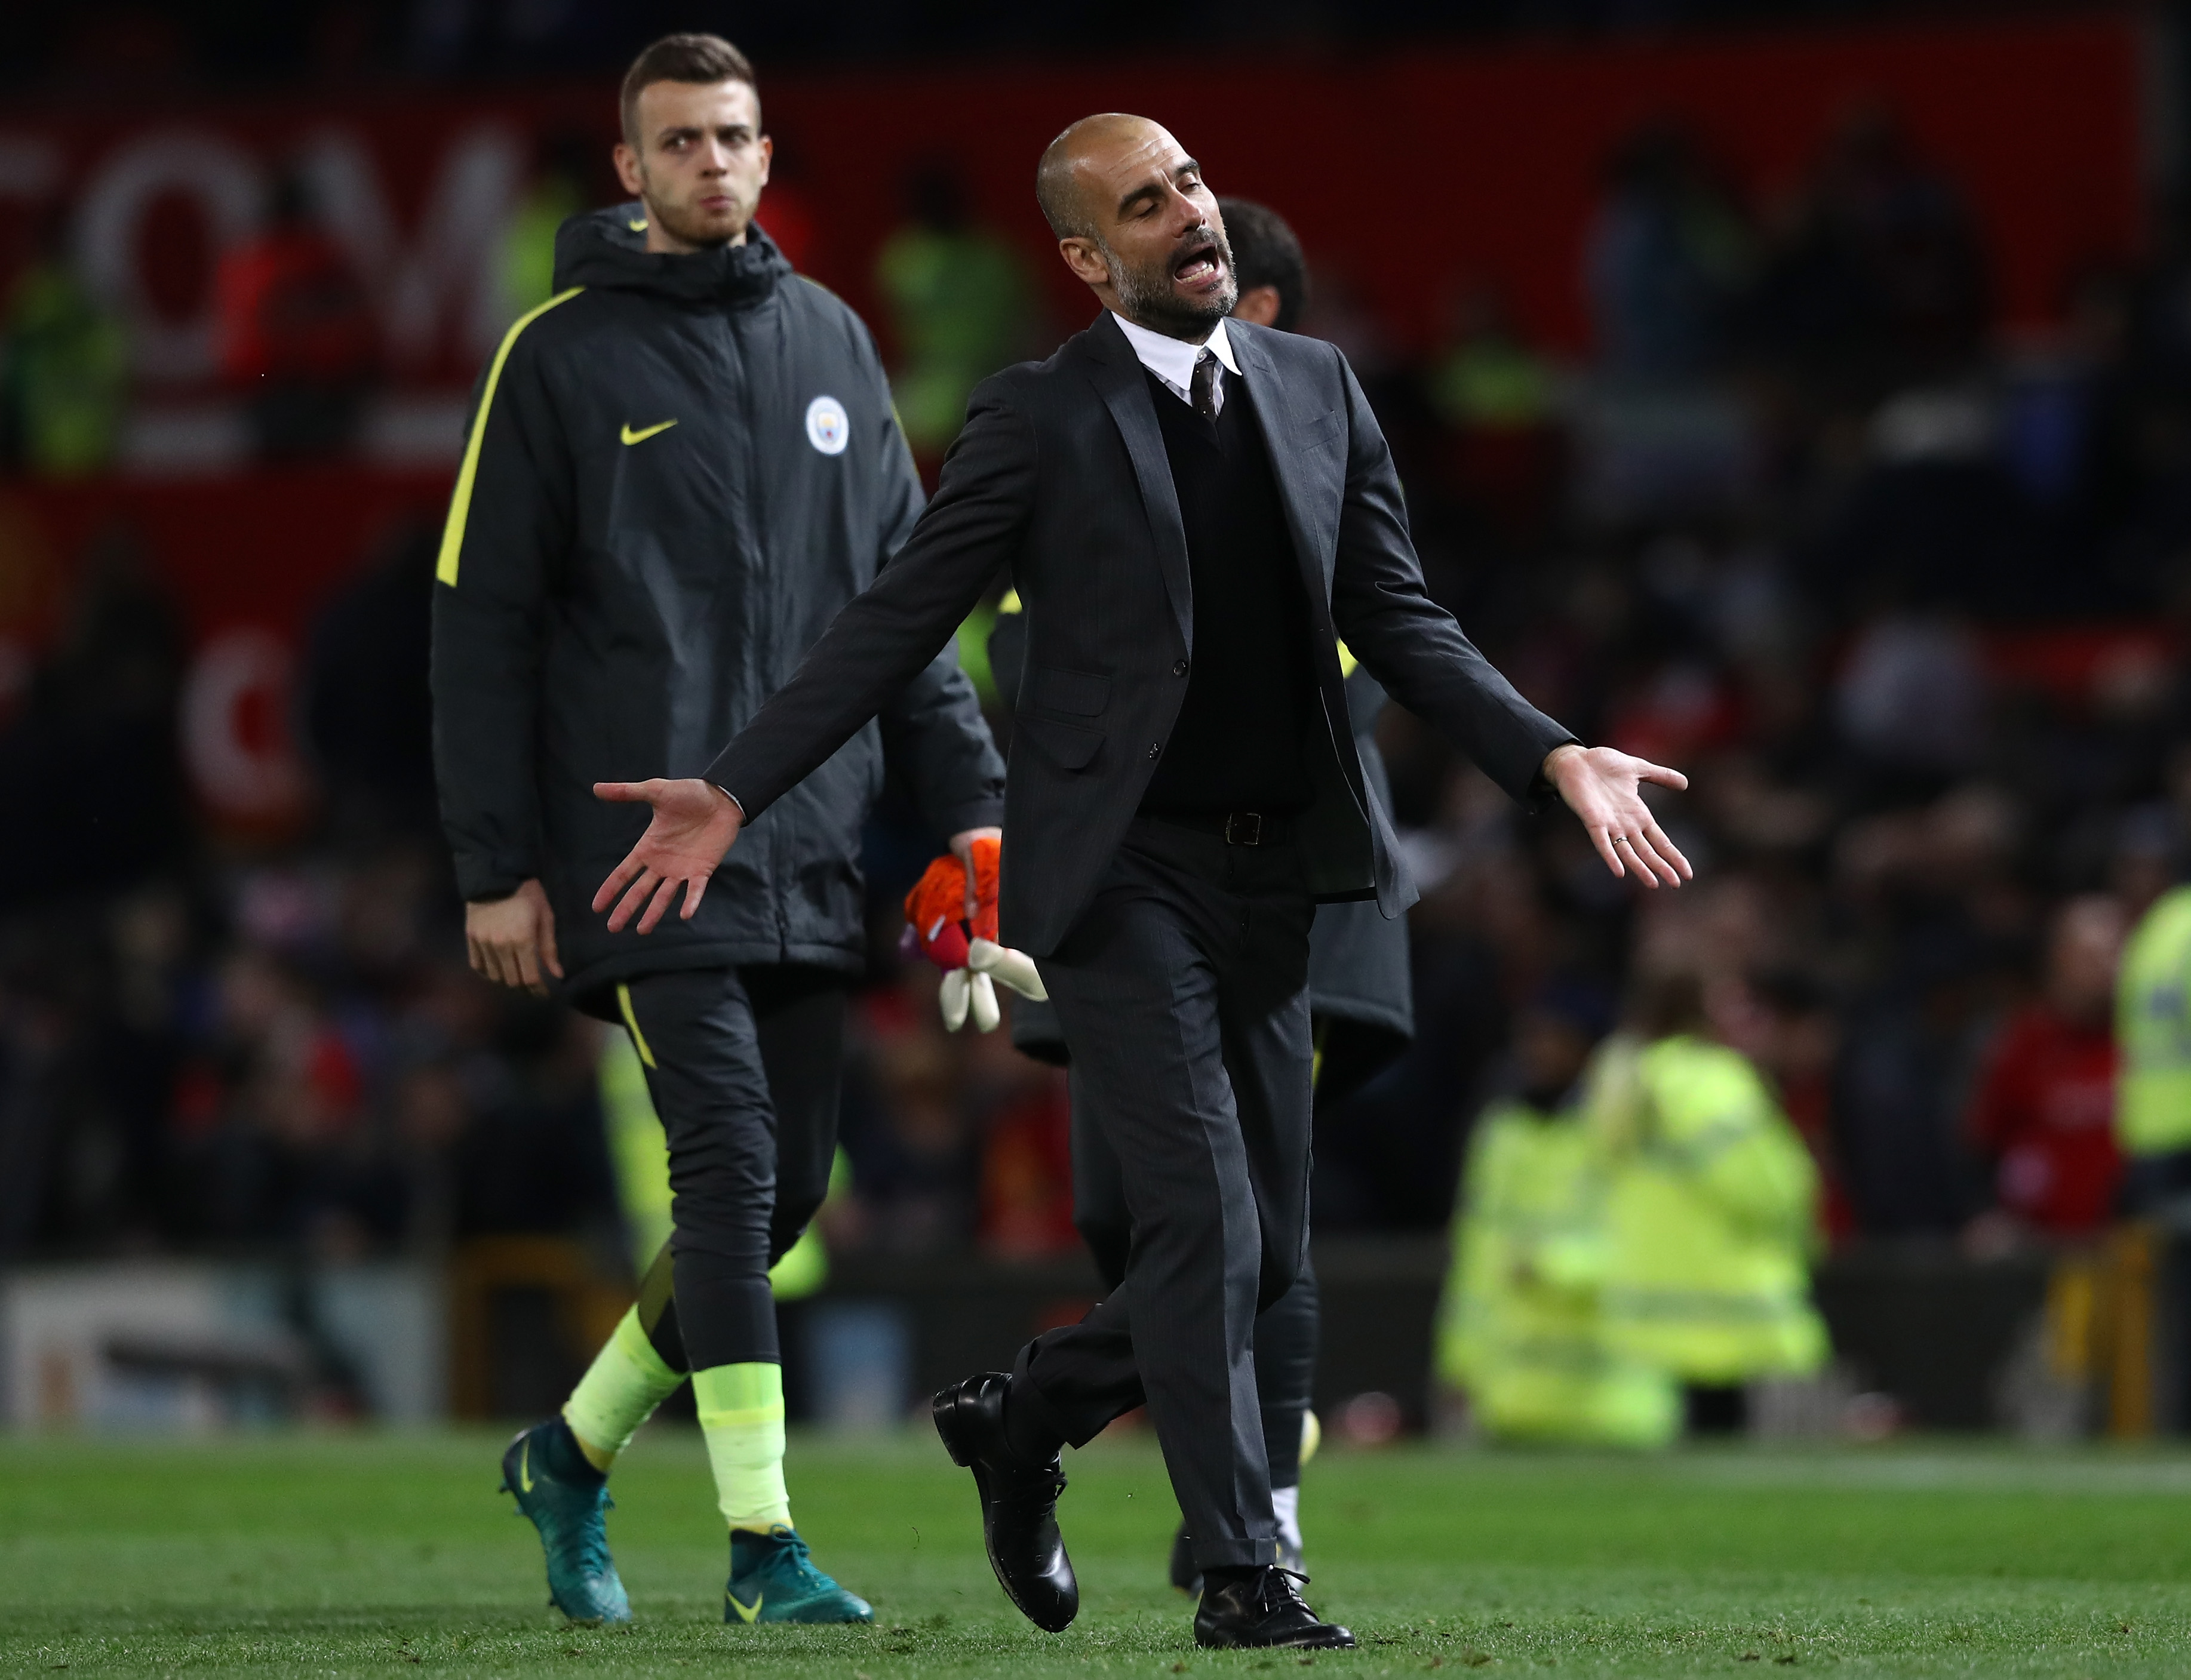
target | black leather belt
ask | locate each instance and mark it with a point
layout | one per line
(1234, 828)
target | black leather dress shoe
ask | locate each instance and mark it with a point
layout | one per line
(1019, 1501)
(1264, 1610)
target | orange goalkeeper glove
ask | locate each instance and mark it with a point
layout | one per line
(967, 951)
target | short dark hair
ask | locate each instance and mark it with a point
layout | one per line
(701, 59)
(1265, 252)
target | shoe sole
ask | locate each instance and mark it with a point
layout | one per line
(944, 1409)
(1345, 1643)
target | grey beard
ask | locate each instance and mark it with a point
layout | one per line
(1153, 304)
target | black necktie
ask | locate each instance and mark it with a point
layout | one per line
(1205, 384)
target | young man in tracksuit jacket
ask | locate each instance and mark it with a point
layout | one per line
(679, 469)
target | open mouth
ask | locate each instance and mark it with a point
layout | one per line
(1200, 265)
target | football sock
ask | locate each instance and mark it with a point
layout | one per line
(1286, 1503)
(618, 1392)
(742, 1419)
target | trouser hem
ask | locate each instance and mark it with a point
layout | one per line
(1031, 1418)
(1235, 1554)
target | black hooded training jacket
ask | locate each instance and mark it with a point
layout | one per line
(679, 469)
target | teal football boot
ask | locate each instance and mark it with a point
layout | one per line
(773, 1579)
(567, 1498)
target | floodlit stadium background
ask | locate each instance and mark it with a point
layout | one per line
(1796, 394)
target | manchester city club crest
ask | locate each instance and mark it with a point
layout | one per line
(827, 427)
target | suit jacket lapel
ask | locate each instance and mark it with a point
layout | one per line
(1117, 373)
(1315, 537)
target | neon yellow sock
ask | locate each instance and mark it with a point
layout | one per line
(742, 1419)
(618, 1392)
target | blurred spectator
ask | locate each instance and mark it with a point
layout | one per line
(916, 1159)
(1499, 400)
(960, 307)
(1669, 256)
(525, 265)
(1522, 1328)
(97, 735)
(2043, 1110)
(296, 333)
(1027, 1152)
(367, 714)
(1713, 1208)
(65, 378)
(1796, 1041)
(1880, 279)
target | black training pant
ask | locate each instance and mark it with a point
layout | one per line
(1287, 1331)
(1183, 994)
(744, 1066)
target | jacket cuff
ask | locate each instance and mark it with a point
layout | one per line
(1540, 796)
(983, 813)
(479, 879)
(738, 784)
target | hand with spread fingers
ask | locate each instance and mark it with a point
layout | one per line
(512, 941)
(1604, 788)
(695, 824)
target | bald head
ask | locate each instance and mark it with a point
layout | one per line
(1062, 180)
(1135, 222)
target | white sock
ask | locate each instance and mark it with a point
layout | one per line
(1286, 1503)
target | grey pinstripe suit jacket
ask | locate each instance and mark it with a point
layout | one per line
(1061, 477)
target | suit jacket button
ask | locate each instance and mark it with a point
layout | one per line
(1155, 748)
(1180, 669)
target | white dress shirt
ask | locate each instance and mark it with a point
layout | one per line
(1172, 360)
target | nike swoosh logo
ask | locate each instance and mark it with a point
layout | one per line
(523, 1471)
(745, 1615)
(645, 432)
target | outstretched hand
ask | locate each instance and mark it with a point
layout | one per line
(695, 823)
(1604, 789)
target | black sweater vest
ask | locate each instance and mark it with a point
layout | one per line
(1251, 691)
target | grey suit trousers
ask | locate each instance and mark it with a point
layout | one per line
(1183, 994)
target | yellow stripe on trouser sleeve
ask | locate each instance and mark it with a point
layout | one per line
(631, 1020)
(741, 1408)
(460, 504)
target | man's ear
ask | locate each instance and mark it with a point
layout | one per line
(1085, 260)
(629, 170)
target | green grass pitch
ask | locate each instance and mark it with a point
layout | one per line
(342, 1554)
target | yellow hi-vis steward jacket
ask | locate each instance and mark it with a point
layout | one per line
(1712, 1212)
(1520, 1328)
(2153, 1030)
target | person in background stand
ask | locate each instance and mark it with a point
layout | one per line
(1713, 1209)
(1361, 994)
(1521, 1328)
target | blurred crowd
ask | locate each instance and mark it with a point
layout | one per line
(1906, 599)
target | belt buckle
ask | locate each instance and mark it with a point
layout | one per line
(1244, 828)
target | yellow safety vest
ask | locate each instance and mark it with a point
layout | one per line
(1521, 1330)
(2153, 1030)
(1712, 1210)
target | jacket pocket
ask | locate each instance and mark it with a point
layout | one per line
(1067, 745)
(1078, 693)
(1318, 433)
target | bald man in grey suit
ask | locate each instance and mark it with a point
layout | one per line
(1195, 511)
